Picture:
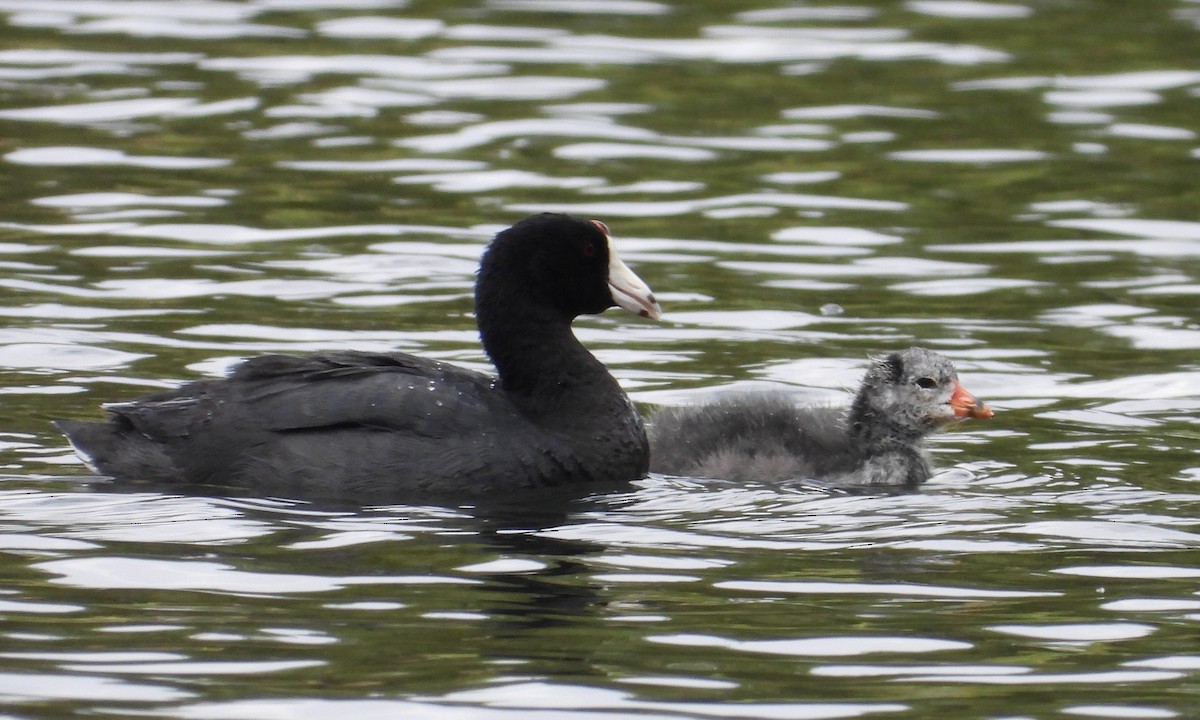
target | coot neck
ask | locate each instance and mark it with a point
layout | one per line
(869, 428)
(538, 359)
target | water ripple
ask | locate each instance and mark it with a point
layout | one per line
(381, 27)
(71, 156)
(968, 9)
(296, 69)
(24, 687)
(667, 208)
(840, 646)
(733, 44)
(114, 110)
(324, 174)
(135, 573)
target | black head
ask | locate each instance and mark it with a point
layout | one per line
(564, 265)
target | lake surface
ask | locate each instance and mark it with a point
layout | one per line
(805, 185)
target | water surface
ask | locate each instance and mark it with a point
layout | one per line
(805, 185)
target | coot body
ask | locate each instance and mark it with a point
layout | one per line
(877, 443)
(380, 426)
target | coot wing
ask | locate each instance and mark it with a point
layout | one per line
(284, 393)
(396, 391)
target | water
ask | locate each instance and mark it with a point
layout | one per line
(1013, 184)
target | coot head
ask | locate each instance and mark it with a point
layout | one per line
(563, 265)
(913, 393)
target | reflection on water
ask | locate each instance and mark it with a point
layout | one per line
(189, 183)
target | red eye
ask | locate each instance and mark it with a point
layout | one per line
(601, 227)
(588, 250)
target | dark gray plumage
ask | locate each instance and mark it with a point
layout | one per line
(373, 427)
(904, 397)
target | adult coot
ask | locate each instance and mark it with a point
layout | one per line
(904, 397)
(373, 426)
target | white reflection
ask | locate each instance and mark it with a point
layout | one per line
(348, 99)
(863, 267)
(1131, 572)
(393, 165)
(36, 608)
(294, 69)
(834, 646)
(977, 156)
(61, 356)
(679, 682)
(968, 9)
(1121, 712)
(140, 573)
(296, 5)
(583, 7)
(1157, 229)
(516, 87)
(644, 578)
(184, 29)
(381, 27)
(1078, 632)
(732, 44)
(239, 234)
(1141, 80)
(744, 43)
(69, 156)
(891, 590)
(490, 180)
(961, 287)
(504, 566)
(501, 33)
(483, 133)
(1142, 131)
(212, 668)
(661, 562)
(668, 208)
(802, 178)
(1148, 80)
(871, 671)
(87, 113)
(40, 57)
(524, 701)
(1101, 98)
(664, 187)
(1151, 605)
(440, 118)
(834, 236)
(1114, 678)
(624, 151)
(831, 13)
(22, 687)
(1170, 662)
(117, 199)
(1162, 247)
(841, 112)
(191, 10)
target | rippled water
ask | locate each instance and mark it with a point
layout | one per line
(1013, 184)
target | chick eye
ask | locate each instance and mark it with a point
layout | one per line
(588, 250)
(926, 383)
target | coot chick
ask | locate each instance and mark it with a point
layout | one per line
(878, 443)
(370, 427)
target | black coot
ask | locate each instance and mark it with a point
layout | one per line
(904, 397)
(374, 426)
